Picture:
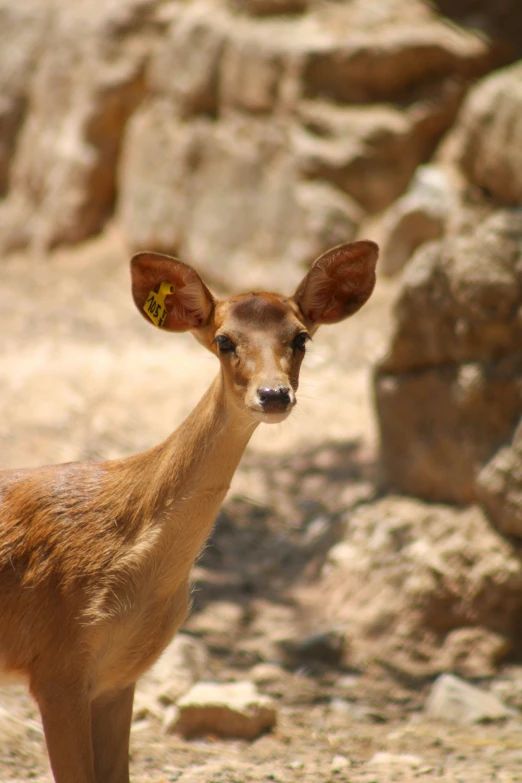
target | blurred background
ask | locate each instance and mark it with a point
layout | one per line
(370, 544)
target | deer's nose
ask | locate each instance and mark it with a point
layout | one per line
(277, 398)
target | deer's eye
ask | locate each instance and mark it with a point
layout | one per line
(225, 344)
(300, 341)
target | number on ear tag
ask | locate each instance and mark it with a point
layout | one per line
(155, 304)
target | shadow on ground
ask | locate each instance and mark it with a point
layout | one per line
(262, 549)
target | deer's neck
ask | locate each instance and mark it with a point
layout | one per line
(183, 481)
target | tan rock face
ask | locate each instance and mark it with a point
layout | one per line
(244, 136)
(448, 393)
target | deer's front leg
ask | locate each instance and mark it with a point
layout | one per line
(66, 719)
(111, 716)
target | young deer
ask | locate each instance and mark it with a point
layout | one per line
(95, 557)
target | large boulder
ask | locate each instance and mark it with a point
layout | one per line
(422, 587)
(487, 141)
(449, 391)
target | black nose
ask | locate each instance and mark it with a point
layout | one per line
(278, 398)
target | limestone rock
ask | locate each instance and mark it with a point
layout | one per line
(369, 152)
(88, 81)
(185, 68)
(382, 759)
(407, 578)
(377, 66)
(418, 217)
(499, 487)
(487, 140)
(182, 664)
(455, 342)
(456, 701)
(224, 710)
(474, 652)
(220, 161)
(23, 27)
(226, 196)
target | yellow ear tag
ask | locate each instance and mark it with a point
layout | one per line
(155, 304)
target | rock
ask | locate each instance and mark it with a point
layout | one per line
(474, 651)
(370, 152)
(217, 623)
(202, 175)
(407, 578)
(23, 27)
(455, 342)
(182, 664)
(89, 79)
(339, 763)
(270, 7)
(407, 760)
(324, 648)
(453, 700)
(226, 196)
(487, 140)
(390, 60)
(360, 713)
(185, 68)
(249, 161)
(499, 487)
(145, 705)
(418, 217)
(232, 710)
(270, 674)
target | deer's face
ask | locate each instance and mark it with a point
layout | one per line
(260, 340)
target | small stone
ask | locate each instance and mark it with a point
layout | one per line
(232, 709)
(170, 718)
(339, 763)
(357, 712)
(383, 759)
(183, 663)
(145, 705)
(454, 700)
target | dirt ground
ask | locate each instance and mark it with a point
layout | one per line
(82, 377)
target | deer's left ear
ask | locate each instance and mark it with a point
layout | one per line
(338, 284)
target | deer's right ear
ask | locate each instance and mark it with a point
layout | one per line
(169, 293)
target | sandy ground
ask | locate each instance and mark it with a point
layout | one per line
(82, 376)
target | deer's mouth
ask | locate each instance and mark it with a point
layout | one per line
(271, 417)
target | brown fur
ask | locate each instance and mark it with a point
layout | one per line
(95, 557)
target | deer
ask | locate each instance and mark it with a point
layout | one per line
(95, 557)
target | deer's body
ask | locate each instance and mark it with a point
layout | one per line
(95, 557)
